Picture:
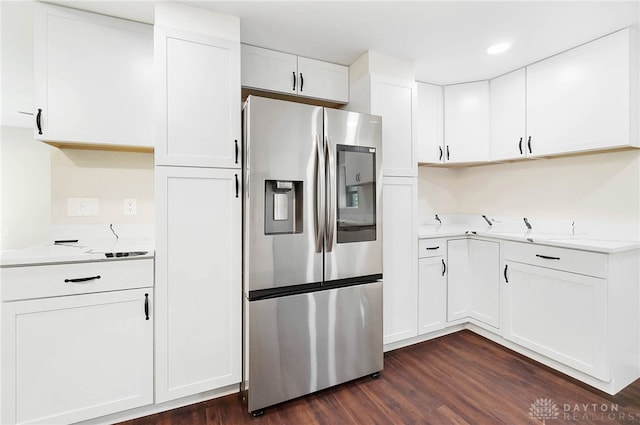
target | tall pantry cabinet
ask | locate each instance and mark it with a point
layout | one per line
(198, 202)
(385, 86)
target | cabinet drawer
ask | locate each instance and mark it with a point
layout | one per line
(570, 260)
(49, 280)
(431, 247)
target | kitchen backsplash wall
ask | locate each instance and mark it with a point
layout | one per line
(111, 177)
(596, 187)
(37, 180)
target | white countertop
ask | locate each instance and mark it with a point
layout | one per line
(84, 250)
(564, 240)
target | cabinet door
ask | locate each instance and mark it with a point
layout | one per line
(458, 278)
(466, 122)
(430, 123)
(197, 99)
(432, 294)
(269, 70)
(395, 101)
(484, 264)
(560, 315)
(323, 80)
(399, 244)
(68, 359)
(579, 100)
(198, 280)
(93, 79)
(508, 137)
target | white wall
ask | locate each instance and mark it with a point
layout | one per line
(25, 187)
(597, 187)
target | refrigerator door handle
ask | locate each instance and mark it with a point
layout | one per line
(319, 185)
(331, 214)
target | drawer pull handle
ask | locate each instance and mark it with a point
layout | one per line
(444, 267)
(82, 279)
(506, 279)
(431, 248)
(146, 306)
(546, 257)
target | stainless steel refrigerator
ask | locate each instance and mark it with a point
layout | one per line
(312, 249)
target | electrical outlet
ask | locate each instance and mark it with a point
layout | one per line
(82, 207)
(130, 206)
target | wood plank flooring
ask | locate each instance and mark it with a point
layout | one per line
(459, 379)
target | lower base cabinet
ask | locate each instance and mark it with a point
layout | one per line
(473, 284)
(432, 294)
(198, 280)
(71, 358)
(558, 314)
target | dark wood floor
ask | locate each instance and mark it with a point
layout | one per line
(461, 378)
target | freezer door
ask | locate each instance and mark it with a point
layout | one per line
(353, 152)
(303, 343)
(283, 208)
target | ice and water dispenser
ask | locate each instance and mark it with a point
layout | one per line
(282, 207)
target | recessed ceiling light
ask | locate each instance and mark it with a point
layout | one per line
(498, 48)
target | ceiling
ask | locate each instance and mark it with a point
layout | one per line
(446, 39)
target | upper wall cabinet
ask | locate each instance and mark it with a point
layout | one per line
(508, 122)
(466, 122)
(93, 79)
(198, 99)
(586, 98)
(395, 101)
(268, 70)
(430, 124)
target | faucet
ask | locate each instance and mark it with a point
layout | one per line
(438, 219)
(487, 220)
(527, 223)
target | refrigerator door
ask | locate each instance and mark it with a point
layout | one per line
(353, 155)
(283, 209)
(303, 343)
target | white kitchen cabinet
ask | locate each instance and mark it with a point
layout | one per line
(198, 280)
(466, 122)
(269, 70)
(585, 98)
(432, 285)
(484, 261)
(400, 300)
(459, 274)
(473, 282)
(508, 116)
(93, 80)
(430, 123)
(577, 308)
(558, 314)
(395, 101)
(76, 355)
(197, 99)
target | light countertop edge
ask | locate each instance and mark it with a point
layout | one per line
(580, 242)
